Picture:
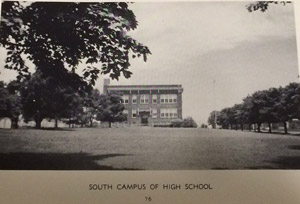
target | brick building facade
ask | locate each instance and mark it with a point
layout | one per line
(149, 105)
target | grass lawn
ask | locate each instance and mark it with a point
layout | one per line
(145, 148)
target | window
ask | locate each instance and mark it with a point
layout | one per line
(174, 113)
(162, 98)
(162, 113)
(134, 99)
(133, 113)
(125, 99)
(168, 113)
(168, 98)
(154, 113)
(174, 98)
(144, 99)
(154, 99)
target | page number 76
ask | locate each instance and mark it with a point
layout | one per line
(148, 199)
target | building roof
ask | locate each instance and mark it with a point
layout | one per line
(144, 87)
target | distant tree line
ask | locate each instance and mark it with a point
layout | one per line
(73, 101)
(275, 105)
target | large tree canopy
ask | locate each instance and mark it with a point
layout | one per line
(45, 97)
(56, 36)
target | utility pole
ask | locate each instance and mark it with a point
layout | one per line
(215, 111)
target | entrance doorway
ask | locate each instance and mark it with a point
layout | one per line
(144, 117)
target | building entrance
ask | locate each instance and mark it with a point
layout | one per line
(144, 117)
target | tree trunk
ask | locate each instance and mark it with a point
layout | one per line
(250, 127)
(56, 123)
(285, 127)
(38, 124)
(236, 126)
(91, 122)
(109, 124)
(14, 123)
(242, 127)
(69, 123)
(258, 127)
(230, 126)
(270, 128)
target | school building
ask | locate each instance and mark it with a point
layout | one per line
(149, 105)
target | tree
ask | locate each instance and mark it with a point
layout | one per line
(288, 106)
(269, 112)
(264, 5)
(3, 100)
(189, 122)
(240, 116)
(58, 36)
(253, 106)
(213, 118)
(222, 119)
(92, 102)
(203, 125)
(111, 109)
(10, 102)
(46, 97)
(15, 106)
(226, 118)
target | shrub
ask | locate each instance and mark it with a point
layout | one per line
(187, 122)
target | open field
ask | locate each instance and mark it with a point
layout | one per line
(146, 148)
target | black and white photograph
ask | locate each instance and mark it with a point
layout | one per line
(149, 86)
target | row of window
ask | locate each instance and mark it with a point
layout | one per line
(168, 113)
(164, 113)
(144, 99)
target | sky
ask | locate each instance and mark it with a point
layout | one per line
(197, 43)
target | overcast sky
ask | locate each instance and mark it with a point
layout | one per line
(194, 43)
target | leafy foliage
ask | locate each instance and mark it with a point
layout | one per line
(60, 35)
(110, 109)
(212, 118)
(10, 102)
(46, 97)
(185, 123)
(268, 106)
(264, 5)
(92, 102)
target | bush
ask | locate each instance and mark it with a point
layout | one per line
(187, 122)
(203, 125)
(176, 123)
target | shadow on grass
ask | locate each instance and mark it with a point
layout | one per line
(283, 162)
(281, 133)
(55, 161)
(49, 128)
(294, 147)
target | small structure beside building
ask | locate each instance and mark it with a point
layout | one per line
(149, 105)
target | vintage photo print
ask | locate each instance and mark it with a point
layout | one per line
(149, 86)
(149, 102)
